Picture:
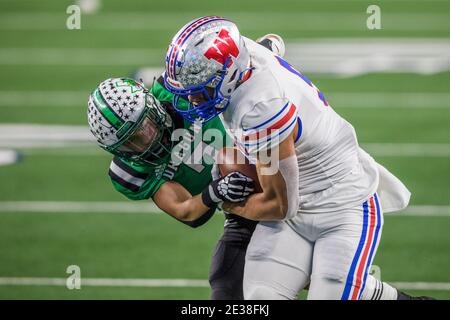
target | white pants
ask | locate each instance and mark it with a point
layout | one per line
(331, 251)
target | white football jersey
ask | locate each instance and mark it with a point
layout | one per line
(263, 111)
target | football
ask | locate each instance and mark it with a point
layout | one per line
(231, 159)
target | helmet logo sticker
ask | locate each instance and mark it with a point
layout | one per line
(130, 83)
(222, 47)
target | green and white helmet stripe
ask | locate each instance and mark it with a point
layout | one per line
(113, 103)
(107, 111)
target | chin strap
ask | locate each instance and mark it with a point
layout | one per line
(245, 74)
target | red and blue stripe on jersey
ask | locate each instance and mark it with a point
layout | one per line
(275, 126)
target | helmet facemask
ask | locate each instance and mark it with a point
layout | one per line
(214, 101)
(148, 139)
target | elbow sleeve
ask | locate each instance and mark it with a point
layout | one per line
(289, 170)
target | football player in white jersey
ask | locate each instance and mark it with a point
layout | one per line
(322, 216)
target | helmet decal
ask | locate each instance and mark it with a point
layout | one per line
(222, 47)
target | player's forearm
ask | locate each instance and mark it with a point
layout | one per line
(259, 207)
(191, 209)
(175, 200)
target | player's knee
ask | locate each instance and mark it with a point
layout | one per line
(226, 288)
(265, 292)
(226, 292)
(326, 287)
(226, 273)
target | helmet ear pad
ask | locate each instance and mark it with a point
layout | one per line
(230, 81)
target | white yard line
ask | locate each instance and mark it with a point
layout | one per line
(252, 21)
(104, 282)
(79, 207)
(180, 283)
(338, 56)
(35, 136)
(60, 99)
(88, 148)
(79, 56)
(424, 211)
(44, 132)
(389, 100)
(17, 98)
(442, 286)
(351, 57)
(64, 148)
(408, 149)
(44, 136)
(146, 207)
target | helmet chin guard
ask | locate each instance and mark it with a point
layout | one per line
(208, 57)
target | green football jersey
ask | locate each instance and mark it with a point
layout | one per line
(189, 163)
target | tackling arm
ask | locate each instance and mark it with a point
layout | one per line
(175, 200)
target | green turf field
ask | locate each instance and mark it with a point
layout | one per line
(40, 58)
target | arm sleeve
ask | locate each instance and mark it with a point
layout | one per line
(134, 184)
(268, 124)
(289, 171)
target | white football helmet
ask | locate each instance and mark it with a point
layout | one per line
(128, 121)
(207, 56)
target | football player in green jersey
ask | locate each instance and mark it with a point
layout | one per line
(138, 126)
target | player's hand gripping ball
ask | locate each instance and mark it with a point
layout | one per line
(234, 187)
(238, 179)
(232, 160)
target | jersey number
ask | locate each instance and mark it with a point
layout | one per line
(290, 68)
